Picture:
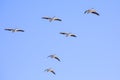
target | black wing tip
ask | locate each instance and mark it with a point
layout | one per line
(57, 58)
(85, 12)
(62, 32)
(21, 30)
(8, 29)
(73, 35)
(96, 13)
(53, 72)
(58, 19)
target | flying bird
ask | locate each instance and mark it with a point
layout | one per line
(68, 34)
(52, 19)
(54, 56)
(14, 30)
(50, 70)
(91, 11)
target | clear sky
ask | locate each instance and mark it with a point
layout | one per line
(93, 55)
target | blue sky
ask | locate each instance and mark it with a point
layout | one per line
(93, 55)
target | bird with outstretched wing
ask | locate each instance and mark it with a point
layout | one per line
(52, 18)
(14, 30)
(68, 34)
(91, 11)
(50, 70)
(54, 57)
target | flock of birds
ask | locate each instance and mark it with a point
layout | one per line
(93, 11)
(53, 56)
(65, 33)
(50, 19)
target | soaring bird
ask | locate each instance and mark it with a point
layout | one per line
(52, 19)
(14, 30)
(50, 70)
(91, 11)
(54, 56)
(68, 34)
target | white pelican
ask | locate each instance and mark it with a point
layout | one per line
(50, 70)
(91, 11)
(52, 18)
(14, 30)
(68, 34)
(54, 56)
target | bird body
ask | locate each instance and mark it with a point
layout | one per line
(52, 19)
(54, 57)
(50, 70)
(68, 34)
(14, 30)
(91, 11)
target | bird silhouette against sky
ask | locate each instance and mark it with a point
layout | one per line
(50, 70)
(14, 30)
(93, 11)
(54, 57)
(68, 34)
(52, 19)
